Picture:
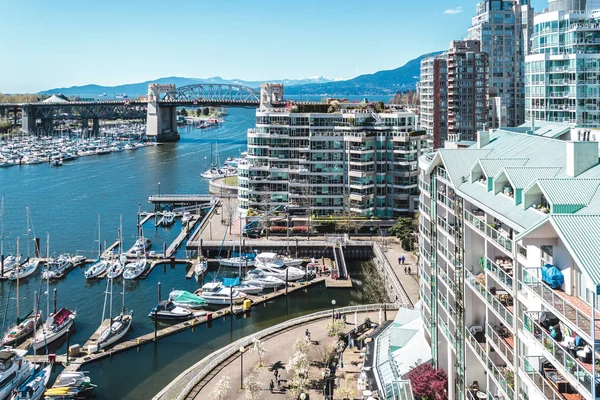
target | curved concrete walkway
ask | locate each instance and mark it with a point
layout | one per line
(279, 350)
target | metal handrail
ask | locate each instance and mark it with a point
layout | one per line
(197, 372)
(403, 298)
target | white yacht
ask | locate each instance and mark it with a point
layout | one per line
(168, 219)
(96, 269)
(141, 245)
(236, 262)
(14, 370)
(216, 293)
(118, 326)
(134, 269)
(200, 266)
(26, 269)
(57, 267)
(249, 289)
(293, 273)
(116, 267)
(10, 263)
(259, 278)
(54, 327)
(186, 217)
(35, 386)
(280, 260)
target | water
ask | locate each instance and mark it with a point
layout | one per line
(65, 202)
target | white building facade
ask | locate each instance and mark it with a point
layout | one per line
(496, 220)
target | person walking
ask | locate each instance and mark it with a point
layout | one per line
(403, 259)
(276, 373)
(405, 270)
(271, 386)
(399, 260)
(409, 269)
(278, 383)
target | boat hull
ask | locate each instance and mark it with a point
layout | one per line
(46, 339)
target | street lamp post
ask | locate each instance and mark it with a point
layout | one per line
(333, 310)
(159, 189)
(242, 367)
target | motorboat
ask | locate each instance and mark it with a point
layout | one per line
(96, 269)
(236, 262)
(200, 266)
(259, 278)
(22, 330)
(78, 260)
(213, 173)
(186, 217)
(274, 258)
(249, 289)
(69, 385)
(14, 370)
(289, 273)
(56, 163)
(216, 293)
(134, 269)
(24, 270)
(55, 326)
(168, 219)
(141, 245)
(166, 309)
(35, 386)
(11, 262)
(182, 298)
(57, 267)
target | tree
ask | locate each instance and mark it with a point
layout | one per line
(183, 112)
(205, 111)
(265, 199)
(198, 112)
(221, 389)
(335, 327)
(302, 345)
(258, 347)
(346, 389)
(404, 229)
(297, 368)
(252, 387)
(428, 383)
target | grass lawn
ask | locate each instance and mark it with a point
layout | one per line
(231, 180)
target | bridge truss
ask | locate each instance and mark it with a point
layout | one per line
(213, 93)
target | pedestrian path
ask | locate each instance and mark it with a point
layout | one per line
(410, 282)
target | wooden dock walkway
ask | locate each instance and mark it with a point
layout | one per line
(147, 218)
(93, 340)
(158, 261)
(109, 250)
(185, 232)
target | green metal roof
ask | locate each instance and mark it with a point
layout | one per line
(521, 177)
(581, 235)
(565, 191)
(491, 166)
(458, 162)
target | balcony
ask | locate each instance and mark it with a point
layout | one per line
(542, 384)
(446, 227)
(503, 376)
(576, 370)
(502, 340)
(448, 256)
(494, 303)
(445, 201)
(494, 235)
(574, 310)
(441, 173)
(502, 270)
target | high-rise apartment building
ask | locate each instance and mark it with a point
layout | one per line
(433, 95)
(329, 159)
(467, 89)
(453, 92)
(510, 266)
(563, 70)
(567, 5)
(504, 27)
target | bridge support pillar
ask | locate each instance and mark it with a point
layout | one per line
(96, 127)
(161, 121)
(85, 127)
(27, 120)
(47, 125)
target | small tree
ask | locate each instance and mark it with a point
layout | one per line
(302, 345)
(205, 111)
(335, 327)
(198, 112)
(346, 389)
(297, 368)
(404, 229)
(221, 389)
(258, 347)
(428, 383)
(252, 387)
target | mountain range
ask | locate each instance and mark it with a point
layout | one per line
(378, 83)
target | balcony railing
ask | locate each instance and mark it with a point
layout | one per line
(491, 367)
(444, 276)
(505, 279)
(558, 304)
(547, 389)
(560, 355)
(500, 344)
(446, 201)
(491, 300)
(491, 233)
(446, 253)
(446, 226)
(443, 174)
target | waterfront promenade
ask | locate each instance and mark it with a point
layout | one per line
(279, 349)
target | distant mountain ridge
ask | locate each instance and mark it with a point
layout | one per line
(378, 83)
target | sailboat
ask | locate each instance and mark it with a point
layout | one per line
(118, 326)
(57, 267)
(134, 269)
(117, 265)
(31, 264)
(100, 265)
(11, 261)
(56, 325)
(35, 386)
(141, 244)
(200, 266)
(23, 328)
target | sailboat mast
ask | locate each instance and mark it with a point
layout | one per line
(28, 254)
(111, 300)
(99, 241)
(48, 276)
(2, 233)
(123, 294)
(18, 272)
(104, 307)
(35, 315)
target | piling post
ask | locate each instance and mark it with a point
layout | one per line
(231, 301)
(155, 316)
(67, 346)
(200, 250)
(54, 301)
(165, 250)
(36, 249)
(286, 280)
(2, 264)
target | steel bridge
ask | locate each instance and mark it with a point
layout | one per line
(158, 109)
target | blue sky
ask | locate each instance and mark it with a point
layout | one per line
(57, 43)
